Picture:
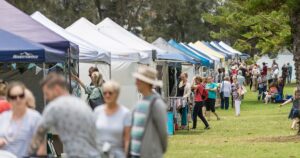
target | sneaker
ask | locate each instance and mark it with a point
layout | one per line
(206, 128)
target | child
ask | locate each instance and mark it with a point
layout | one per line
(271, 93)
(294, 114)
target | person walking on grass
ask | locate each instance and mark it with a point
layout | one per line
(294, 114)
(225, 91)
(237, 97)
(212, 89)
(200, 96)
(149, 135)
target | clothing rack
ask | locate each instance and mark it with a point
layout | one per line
(173, 107)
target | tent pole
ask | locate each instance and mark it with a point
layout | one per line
(69, 71)
(44, 75)
(110, 77)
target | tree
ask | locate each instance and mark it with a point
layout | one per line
(248, 31)
(179, 19)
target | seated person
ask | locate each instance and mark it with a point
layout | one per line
(271, 93)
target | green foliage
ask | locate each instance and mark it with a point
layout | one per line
(179, 19)
(252, 31)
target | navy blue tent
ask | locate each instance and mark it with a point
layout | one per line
(19, 23)
(17, 49)
(201, 53)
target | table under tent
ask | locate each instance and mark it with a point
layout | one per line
(89, 55)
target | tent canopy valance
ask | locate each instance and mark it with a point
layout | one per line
(17, 49)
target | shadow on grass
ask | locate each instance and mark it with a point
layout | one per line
(280, 139)
(190, 132)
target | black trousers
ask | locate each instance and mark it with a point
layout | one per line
(197, 111)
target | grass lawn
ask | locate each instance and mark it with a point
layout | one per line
(262, 131)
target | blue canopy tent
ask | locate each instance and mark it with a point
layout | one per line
(204, 61)
(211, 47)
(17, 49)
(211, 61)
(217, 47)
(19, 23)
(173, 54)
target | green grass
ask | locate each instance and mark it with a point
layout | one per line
(262, 131)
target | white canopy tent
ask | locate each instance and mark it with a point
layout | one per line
(89, 55)
(125, 60)
(118, 33)
(88, 31)
(87, 52)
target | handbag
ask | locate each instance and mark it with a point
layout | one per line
(97, 101)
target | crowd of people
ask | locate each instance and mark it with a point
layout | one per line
(104, 128)
(101, 127)
(207, 93)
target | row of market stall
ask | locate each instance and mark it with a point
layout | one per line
(41, 43)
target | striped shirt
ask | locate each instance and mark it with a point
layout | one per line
(139, 122)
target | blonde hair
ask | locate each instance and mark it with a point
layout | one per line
(97, 76)
(112, 85)
(30, 99)
(3, 88)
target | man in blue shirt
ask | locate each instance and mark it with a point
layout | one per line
(212, 89)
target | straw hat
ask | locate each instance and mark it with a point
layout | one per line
(148, 75)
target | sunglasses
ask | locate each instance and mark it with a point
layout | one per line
(15, 97)
(108, 93)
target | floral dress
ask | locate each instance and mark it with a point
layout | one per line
(235, 91)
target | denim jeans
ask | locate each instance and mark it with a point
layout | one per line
(224, 101)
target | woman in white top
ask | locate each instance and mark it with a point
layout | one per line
(225, 92)
(113, 123)
(18, 125)
(184, 91)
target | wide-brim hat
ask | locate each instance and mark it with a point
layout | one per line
(148, 75)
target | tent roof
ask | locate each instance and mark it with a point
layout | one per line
(226, 55)
(15, 21)
(219, 48)
(87, 52)
(118, 33)
(216, 59)
(14, 48)
(172, 53)
(88, 31)
(205, 49)
(203, 54)
(190, 53)
(229, 48)
(196, 52)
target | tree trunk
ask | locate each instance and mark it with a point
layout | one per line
(295, 25)
(295, 22)
(98, 5)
